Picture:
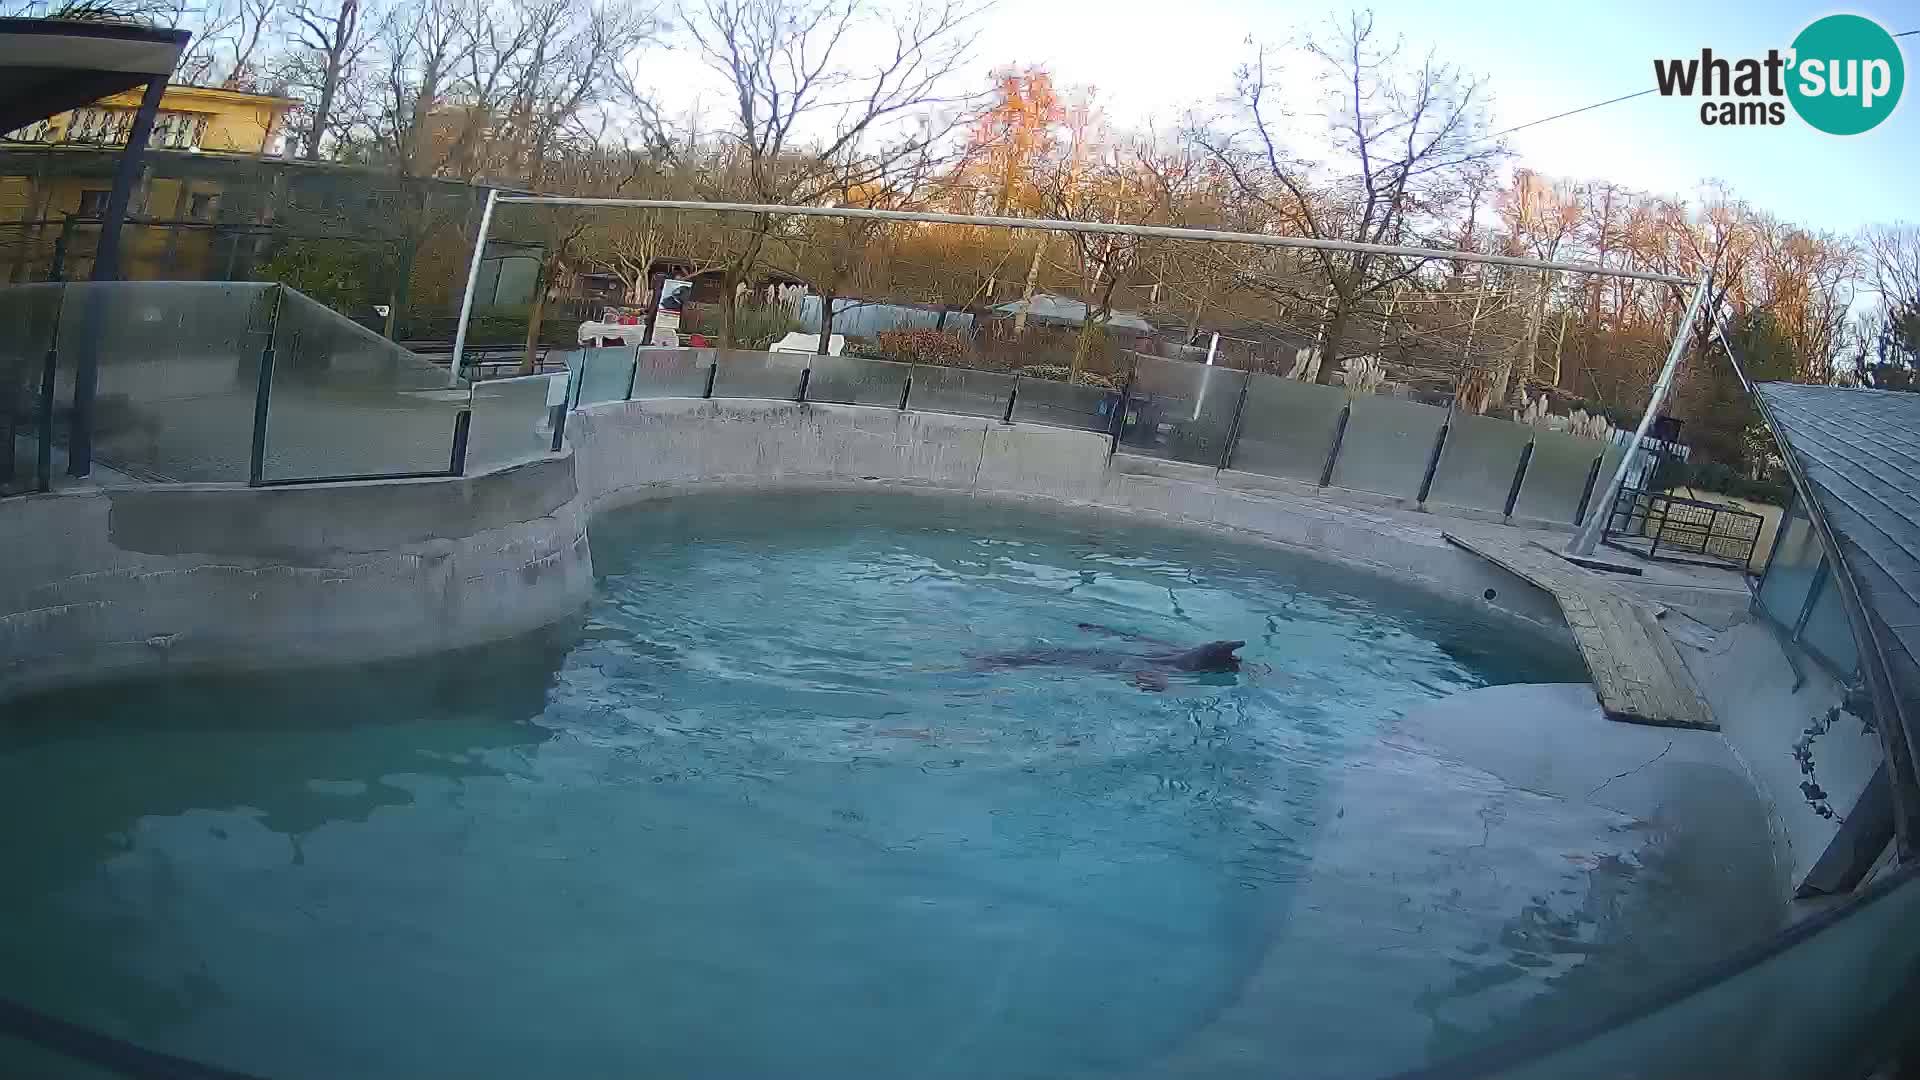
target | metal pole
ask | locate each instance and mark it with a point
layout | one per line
(1111, 228)
(106, 259)
(473, 282)
(106, 267)
(1588, 537)
(1206, 377)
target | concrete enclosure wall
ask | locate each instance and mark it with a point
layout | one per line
(123, 581)
(635, 450)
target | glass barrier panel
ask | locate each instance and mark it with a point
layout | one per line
(1828, 1003)
(178, 364)
(1180, 410)
(1068, 405)
(758, 375)
(348, 402)
(854, 380)
(1478, 463)
(29, 316)
(1557, 477)
(604, 375)
(1287, 428)
(1610, 460)
(512, 420)
(959, 390)
(672, 373)
(1789, 578)
(1827, 632)
(1388, 443)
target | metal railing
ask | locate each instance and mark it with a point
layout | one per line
(1212, 416)
(1656, 525)
(247, 382)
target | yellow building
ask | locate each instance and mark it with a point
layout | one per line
(191, 118)
(57, 168)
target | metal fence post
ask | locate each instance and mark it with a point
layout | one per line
(43, 407)
(1233, 429)
(1119, 419)
(1586, 493)
(557, 419)
(1519, 477)
(473, 282)
(1333, 452)
(1433, 461)
(263, 396)
(462, 422)
(262, 404)
(43, 451)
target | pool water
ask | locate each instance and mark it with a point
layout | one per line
(763, 810)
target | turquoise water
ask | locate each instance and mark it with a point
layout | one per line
(758, 813)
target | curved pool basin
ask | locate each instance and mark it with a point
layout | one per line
(833, 784)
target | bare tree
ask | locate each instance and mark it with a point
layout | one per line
(228, 43)
(1540, 217)
(826, 96)
(329, 36)
(1400, 136)
(1893, 261)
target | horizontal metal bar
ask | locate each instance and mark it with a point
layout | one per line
(436, 474)
(1168, 232)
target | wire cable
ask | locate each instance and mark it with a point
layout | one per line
(1573, 112)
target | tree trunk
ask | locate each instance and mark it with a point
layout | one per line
(1026, 295)
(1536, 314)
(1193, 322)
(1337, 321)
(321, 110)
(826, 323)
(729, 307)
(1081, 348)
(1560, 344)
(940, 321)
(535, 318)
(1466, 356)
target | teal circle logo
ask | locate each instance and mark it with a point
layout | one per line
(1847, 74)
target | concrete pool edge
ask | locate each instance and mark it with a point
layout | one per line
(633, 452)
(637, 451)
(110, 583)
(117, 582)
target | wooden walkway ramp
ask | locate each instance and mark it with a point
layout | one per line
(1637, 673)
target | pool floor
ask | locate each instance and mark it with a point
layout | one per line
(769, 807)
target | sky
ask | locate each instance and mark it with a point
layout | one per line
(1151, 61)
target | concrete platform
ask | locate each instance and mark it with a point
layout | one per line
(1638, 675)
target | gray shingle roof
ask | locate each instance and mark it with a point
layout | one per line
(1860, 452)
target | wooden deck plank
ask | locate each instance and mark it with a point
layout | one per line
(1638, 674)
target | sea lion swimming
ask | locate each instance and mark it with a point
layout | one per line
(1149, 666)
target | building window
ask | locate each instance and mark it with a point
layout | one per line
(200, 207)
(93, 202)
(40, 131)
(179, 130)
(110, 127)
